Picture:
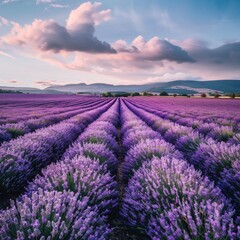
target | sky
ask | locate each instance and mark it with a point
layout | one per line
(48, 42)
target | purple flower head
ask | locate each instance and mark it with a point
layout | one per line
(135, 137)
(145, 150)
(175, 132)
(100, 137)
(222, 133)
(171, 198)
(188, 144)
(212, 158)
(58, 215)
(83, 176)
(95, 151)
(105, 126)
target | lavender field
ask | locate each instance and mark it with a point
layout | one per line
(84, 167)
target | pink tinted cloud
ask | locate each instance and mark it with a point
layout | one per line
(87, 13)
(77, 35)
(71, 47)
(155, 49)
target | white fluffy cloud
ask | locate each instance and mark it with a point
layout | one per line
(72, 47)
(77, 35)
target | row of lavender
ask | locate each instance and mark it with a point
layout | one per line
(13, 130)
(165, 195)
(72, 198)
(21, 109)
(223, 112)
(217, 160)
(21, 159)
(218, 127)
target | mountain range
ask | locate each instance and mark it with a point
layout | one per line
(178, 86)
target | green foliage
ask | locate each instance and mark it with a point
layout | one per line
(216, 95)
(107, 94)
(8, 91)
(163, 94)
(147, 94)
(121, 94)
(135, 94)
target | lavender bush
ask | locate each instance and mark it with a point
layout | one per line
(52, 215)
(172, 200)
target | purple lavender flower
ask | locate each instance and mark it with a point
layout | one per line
(100, 137)
(52, 215)
(134, 138)
(222, 133)
(212, 158)
(21, 159)
(83, 176)
(175, 132)
(188, 144)
(99, 152)
(168, 197)
(145, 150)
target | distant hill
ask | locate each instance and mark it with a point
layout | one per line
(178, 86)
(224, 86)
(32, 90)
(97, 88)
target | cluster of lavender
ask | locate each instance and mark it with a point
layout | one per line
(52, 215)
(71, 199)
(210, 126)
(166, 196)
(23, 107)
(141, 143)
(221, 162)
(12, 130)
(24, 157)
(211, 111)
(215, 159)
(98, 141)
(173, 201)
(145, 150)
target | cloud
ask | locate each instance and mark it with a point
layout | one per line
(225, 55)
(6, 55)
(3, 21)
(166, 77)
(45, 1)
(58, 6)
(155, 59)
(77, 35)
(13, 81)
(163, 19)
(138, 58)
(155, 49)
(45, 83)
(8, 1)
(87, 14)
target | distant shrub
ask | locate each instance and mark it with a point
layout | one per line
(135, 94)
(217, 95)
(147, 94)
(203, 95)
(163, 94)
(107, 94)
(121, 94)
